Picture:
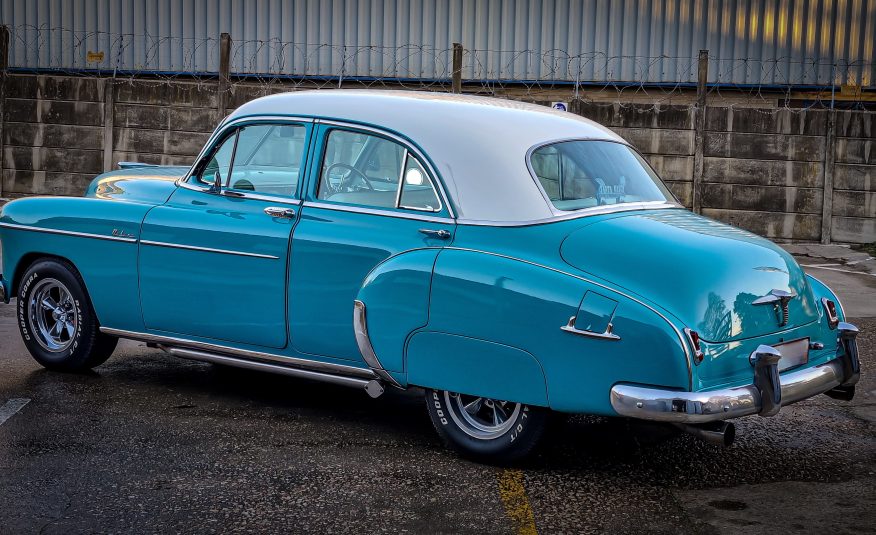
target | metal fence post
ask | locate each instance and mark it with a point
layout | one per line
(700, 131)
(109, 104)
(456, 85)
(4, 64)
(829, 165)
(224, 72)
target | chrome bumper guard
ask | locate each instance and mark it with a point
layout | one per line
(768, 393)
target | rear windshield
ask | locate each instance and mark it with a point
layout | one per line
(583, 174)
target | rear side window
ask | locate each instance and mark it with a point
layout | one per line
(370, 170)
(583, 174)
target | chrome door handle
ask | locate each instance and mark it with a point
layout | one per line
(276, 211)
(440, 234)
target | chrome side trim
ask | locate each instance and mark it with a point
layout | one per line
(586, 212)
(68, 233)
(342, 380)
(609, 288)
(235, 194)
(376, 211)
(607, 335)
(206, 249)
(313, 365)
(699, 407)
(360, 326)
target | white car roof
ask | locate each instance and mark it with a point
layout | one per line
(477, 144)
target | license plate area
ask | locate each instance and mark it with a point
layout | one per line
(794, 353)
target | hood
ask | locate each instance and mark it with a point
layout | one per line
(151, 184)
(707, 274)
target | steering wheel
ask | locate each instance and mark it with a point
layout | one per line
(344, 181)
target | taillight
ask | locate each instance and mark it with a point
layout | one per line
(830, 310)
(694, 339)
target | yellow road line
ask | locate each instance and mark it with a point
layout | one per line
(517, 506)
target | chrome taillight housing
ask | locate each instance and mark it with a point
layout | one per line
(830, 311)
(694, 338)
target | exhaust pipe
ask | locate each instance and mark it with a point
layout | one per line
(719, 433)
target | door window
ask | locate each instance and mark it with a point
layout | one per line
(268, 159)
(370, 170)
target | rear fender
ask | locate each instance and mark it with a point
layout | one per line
(508, 314)
(396, 298)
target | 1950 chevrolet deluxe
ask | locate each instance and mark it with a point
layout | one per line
(510, 259)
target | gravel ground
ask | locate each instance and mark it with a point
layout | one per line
(149, 444)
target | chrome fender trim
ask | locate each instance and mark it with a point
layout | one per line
(109, 237)
(360, 325)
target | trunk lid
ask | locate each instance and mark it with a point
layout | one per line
(705, 273)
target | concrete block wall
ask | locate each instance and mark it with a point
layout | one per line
(763, 169)
(854, 178)
(52, 134)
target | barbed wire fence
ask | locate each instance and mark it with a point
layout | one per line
(658, 103)
(553, 75)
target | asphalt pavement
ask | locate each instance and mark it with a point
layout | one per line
(148, 443)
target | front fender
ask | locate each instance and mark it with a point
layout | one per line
(98, 237)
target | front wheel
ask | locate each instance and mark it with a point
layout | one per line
(486, 429)
(56, 319)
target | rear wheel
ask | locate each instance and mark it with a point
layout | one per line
(486, 429)
(56, 319)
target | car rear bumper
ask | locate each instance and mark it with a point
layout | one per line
(765, 396)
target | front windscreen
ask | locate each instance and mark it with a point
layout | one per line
(584, 174)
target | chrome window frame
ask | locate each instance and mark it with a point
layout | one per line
(672, 202)
(219, 135)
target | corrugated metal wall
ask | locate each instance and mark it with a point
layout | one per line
(759, 42)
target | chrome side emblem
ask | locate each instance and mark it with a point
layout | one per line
(118, 233)
(779, 299)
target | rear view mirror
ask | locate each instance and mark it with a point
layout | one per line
(217, 183)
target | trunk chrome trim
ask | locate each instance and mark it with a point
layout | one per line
(206, 249)
(293, 362)
(68, 233)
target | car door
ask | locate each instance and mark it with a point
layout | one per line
(214, 261)
(370, 196)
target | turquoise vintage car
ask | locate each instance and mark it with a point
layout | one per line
(509, 259)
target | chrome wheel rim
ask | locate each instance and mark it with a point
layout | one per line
(482, 418)
(52, 315)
